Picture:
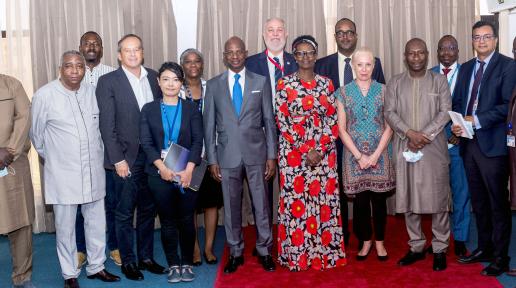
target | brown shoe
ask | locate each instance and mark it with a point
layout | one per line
(71, 283)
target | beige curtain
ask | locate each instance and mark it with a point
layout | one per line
(57, 25)
(217, 20)
(386, 25)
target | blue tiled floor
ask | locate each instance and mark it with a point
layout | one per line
(47, 274)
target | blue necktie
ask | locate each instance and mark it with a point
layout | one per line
(277, 72)
(237, 95)
(348, 73)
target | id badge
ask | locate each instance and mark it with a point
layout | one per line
(163, 153)
(511, 141)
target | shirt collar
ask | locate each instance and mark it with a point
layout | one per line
(143, 73)
(231, 74)
(343, 57)
(488, 58)
(452, 67)
(280, 56)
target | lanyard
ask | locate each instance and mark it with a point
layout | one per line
(278, 65)
(190, 97)
(170, 128)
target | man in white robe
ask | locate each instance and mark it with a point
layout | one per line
(65, 132)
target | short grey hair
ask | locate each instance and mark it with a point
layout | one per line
(187, 52)
(71, 52)
(272, 19)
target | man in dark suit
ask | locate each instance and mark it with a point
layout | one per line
(121, 95)
(273, 63)
(482, 94)
(241, 142)
(337, 67)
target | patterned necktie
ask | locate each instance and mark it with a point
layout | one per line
(446, 71)
(277, 71)
(348, 73)
(474, 90)
(237, 95)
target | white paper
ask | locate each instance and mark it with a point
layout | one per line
(467, 127)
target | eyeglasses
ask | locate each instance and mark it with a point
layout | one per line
(486, 37)
(347, 33)
(234, 53)
(450, 48)
(301, 54)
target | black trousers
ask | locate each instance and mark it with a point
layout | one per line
(362, 215)
(176, 215)
(487, 181)
(343, 198)
(133, 193)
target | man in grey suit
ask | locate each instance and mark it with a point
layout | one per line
(240, 138)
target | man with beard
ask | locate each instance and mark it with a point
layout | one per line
(241, 142)
(448, 54)
(337, 67)
(92, 50)
(416, 107)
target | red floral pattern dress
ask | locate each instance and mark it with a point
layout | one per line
(309, 224)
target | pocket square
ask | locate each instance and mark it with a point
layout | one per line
(256, 91)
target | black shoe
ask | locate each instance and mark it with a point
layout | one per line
(197, 263)
(476, 256)
(460, 248)
(105, 276)
(233, 263)
(439, 261)
(131, 272)
(497, 267)
(255, 252)
(363, 257)
(71, 283)
(411, 257)
(151, 266)
(429, 250)
(267, 263)
(210, 261)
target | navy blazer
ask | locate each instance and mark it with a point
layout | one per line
(498, 81)
(258, 64)
(120, 116)
(152, 134)
(329, 67)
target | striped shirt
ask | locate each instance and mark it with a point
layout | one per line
(91, 76)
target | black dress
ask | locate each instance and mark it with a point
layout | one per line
(210, 192)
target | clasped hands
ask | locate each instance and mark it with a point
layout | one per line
(185, 176)
(367, 161)
(6, 157)
(417, 140)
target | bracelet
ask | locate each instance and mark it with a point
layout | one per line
(360, 157)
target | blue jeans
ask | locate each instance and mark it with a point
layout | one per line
(110, 205)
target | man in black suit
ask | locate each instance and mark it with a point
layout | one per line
(337, 67)
(482, 94)
(121, 95)
(273, 63)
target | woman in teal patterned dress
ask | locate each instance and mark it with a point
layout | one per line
(367, 171)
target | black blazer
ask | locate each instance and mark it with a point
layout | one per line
(329, 67)
(498, 81)
(258, 64)
(151, 132)
(120, 116)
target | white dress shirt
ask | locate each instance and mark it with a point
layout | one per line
(91, 76)
(272, 69)
(141, 86)
(452, 75)
(231, 81)
(342, 63)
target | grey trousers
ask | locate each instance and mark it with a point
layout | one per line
(232, 189)
(21, 252)
(94, 230)
(440, 232)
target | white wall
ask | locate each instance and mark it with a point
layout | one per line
(186, 21)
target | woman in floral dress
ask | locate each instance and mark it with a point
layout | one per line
(309, 224)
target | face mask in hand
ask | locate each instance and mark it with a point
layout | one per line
(4, 172)
(411, 156)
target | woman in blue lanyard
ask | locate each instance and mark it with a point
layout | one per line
(210, 192)
(164, 122)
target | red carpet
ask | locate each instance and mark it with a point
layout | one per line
(370, 273)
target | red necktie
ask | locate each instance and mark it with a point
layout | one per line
(446, 71)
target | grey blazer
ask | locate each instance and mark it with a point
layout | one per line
(251, 138)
